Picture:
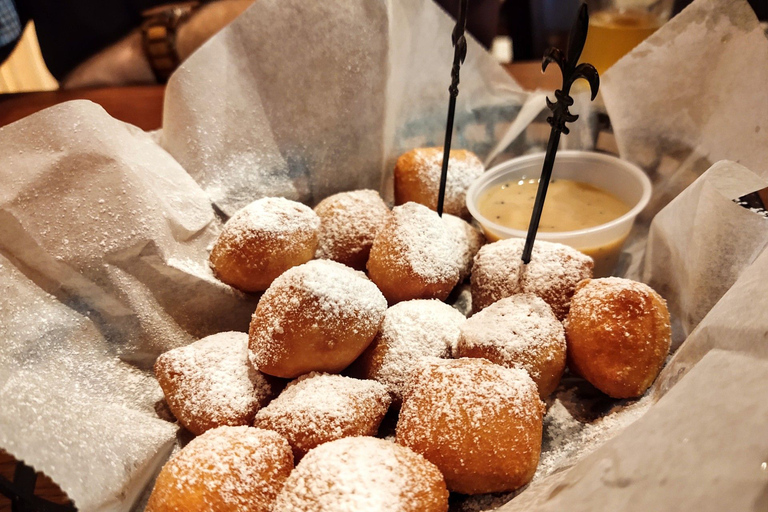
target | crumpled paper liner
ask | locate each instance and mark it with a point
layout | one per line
(110, 224)
(692, 94)
(701, 242)
(103, 262)
(69, 406)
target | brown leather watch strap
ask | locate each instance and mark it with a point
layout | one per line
(159, 31)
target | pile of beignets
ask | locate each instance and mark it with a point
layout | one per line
(352, 327)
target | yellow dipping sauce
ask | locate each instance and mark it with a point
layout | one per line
(570, 206)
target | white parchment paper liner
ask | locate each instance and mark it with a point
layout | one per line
(103, 263)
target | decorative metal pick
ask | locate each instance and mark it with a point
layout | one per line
(560, 114)
(459, 54)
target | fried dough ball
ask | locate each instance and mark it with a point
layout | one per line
(349, 222)
(520, 331)
(363, 474)
(478, 422)
(211, 383)
(618, 335)
(318, 407)
(552, 274)
(226, 469)
(417, 178)
(263, 240)
(414, 256)
(318, 316)
(411, 331)
(469, 240)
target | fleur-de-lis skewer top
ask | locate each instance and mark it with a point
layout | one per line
(572, 71)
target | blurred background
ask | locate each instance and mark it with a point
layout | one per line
(51, 44)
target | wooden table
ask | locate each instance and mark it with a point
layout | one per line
(142, 105)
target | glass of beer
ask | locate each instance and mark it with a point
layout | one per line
(617, 26)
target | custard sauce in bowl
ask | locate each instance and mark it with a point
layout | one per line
(592, 202)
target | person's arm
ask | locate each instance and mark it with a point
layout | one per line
(125, 62)
(12, 24)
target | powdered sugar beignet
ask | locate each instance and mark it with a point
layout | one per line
(263, 240)
(227, 469)
(552, 274)
(411, 331)
(478, 422)
(363, 474)
(520, 331)
(349, 221)
(318, 407)
(318, 316)
(211, 383)
(414, 256)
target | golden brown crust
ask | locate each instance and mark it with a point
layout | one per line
(319, 408)
(414, 256)
(618, 335)
(520, 331)
(262, 241)
(365, 474)
(552, 274)
(319, 316)
(349, 222)
(478, 422)
(417, 178)
(227, 469)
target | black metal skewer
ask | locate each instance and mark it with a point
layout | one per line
(459, 54)
(571, 71)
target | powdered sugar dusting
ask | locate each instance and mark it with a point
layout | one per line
(568, 438)
(228, 468)
(276, 215)
(597, 300)
(363, 474)
(418, 241)
(552, 274)
(318, 407)
(211, 382)
(341, 299)
(411, 331)
(349, 222)
(520, 331)
(273, 217)
(465, 392)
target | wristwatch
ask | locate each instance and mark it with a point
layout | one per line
(159, 31)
